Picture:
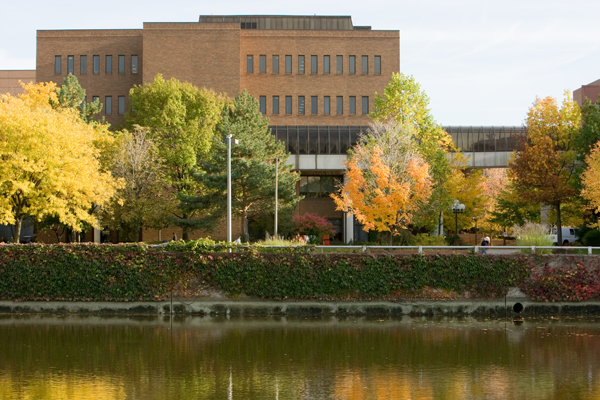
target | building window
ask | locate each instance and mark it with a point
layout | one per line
(70, 66)
(275, 104)
(314, 105)
(300, 64)
(378, 65)
(262, 64)
(318, 186)
(108, 105)
(352, 66)
(134, 64)
(301, 105)
(326, 105)
(121, 105)
(365, 64)
(263, 104)
(83, 64)
(96, 62)
(121, 64)
(94, 98)
(340, 105)
(339, 64)
(325, 64)
(314, 64)
(249, 64)
(365, 104)
(108, 65)
(288, 64)
(275, 64)
(352, 104)
(288, 104)
(57, 64)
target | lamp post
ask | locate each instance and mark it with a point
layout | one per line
(457, 208)
(235, 141)
(276, 193)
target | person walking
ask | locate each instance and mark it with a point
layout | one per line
(484, 243)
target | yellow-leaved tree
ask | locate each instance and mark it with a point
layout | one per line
(387, 179)
(49, 161)
(591, 180)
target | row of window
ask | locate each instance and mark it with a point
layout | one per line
(314, 105)
(314, 64)
(83, 64)
(320, 186)
(108, 104)
(318, 139)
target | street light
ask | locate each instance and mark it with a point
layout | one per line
(235, 141)
(457, 208)
(276, 192)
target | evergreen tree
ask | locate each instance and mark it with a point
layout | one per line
(71, 95)
(252, 169)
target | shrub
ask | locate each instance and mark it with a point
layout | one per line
(571, 283)
(454, 240)
(591, 238)
(423, 239)
(312, 225)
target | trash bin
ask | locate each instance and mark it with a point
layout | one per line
(325, 240)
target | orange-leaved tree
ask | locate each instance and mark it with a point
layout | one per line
(387, 179)
(591, 180)
(543, 170)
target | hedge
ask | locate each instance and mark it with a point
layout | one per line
(135, 272)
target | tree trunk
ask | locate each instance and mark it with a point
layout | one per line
(245, 226)
(391, 238)
(185, 234)
(17, 234)
(558, 226)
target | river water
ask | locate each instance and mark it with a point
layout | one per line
(53, 357)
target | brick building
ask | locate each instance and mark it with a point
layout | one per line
(314, 76)
(10, 80)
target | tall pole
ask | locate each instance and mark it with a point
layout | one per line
(229, 188)
(276, 192)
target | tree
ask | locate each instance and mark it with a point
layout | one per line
(591, 181)
(143, 199)
(405, 102)
(543, 170)
(252, 169)
(510, 210)
(587, 137)
(181, 120)
(49, 162)
(71, 95)
(387, 179)
(468, 190)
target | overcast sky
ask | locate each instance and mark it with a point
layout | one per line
(480, 62)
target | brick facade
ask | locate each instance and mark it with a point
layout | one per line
(9, 81)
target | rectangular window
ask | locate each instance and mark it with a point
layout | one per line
(365, 64)
(108, 105)
(83, 64)
(352, 103)
(340, 105)
(70, 64)
(378, 65)
(249, 64)
(288, 64)
(325, 64)
(339, 64)
(263, 104)
(314, 105)
(352, 66)
(57, 64)
(121, 64)
(301, 105)
(275, 64)
(108, 65)
(275, 104)
(121, 105)
(262, 64)
(300, 64)
(314, 64)
(326, 105)
(94, 98)
(365, 104)
(96, 66)
(288, 104)
(134, 65)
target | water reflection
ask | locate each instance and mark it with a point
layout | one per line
(278, 358)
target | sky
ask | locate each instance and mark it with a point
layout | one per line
(480, 62)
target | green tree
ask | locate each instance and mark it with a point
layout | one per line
(587, 137)
(252, 169)
(510, 210)
(71, 95)
(544, 168)
(181, 120)
(404, 101)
